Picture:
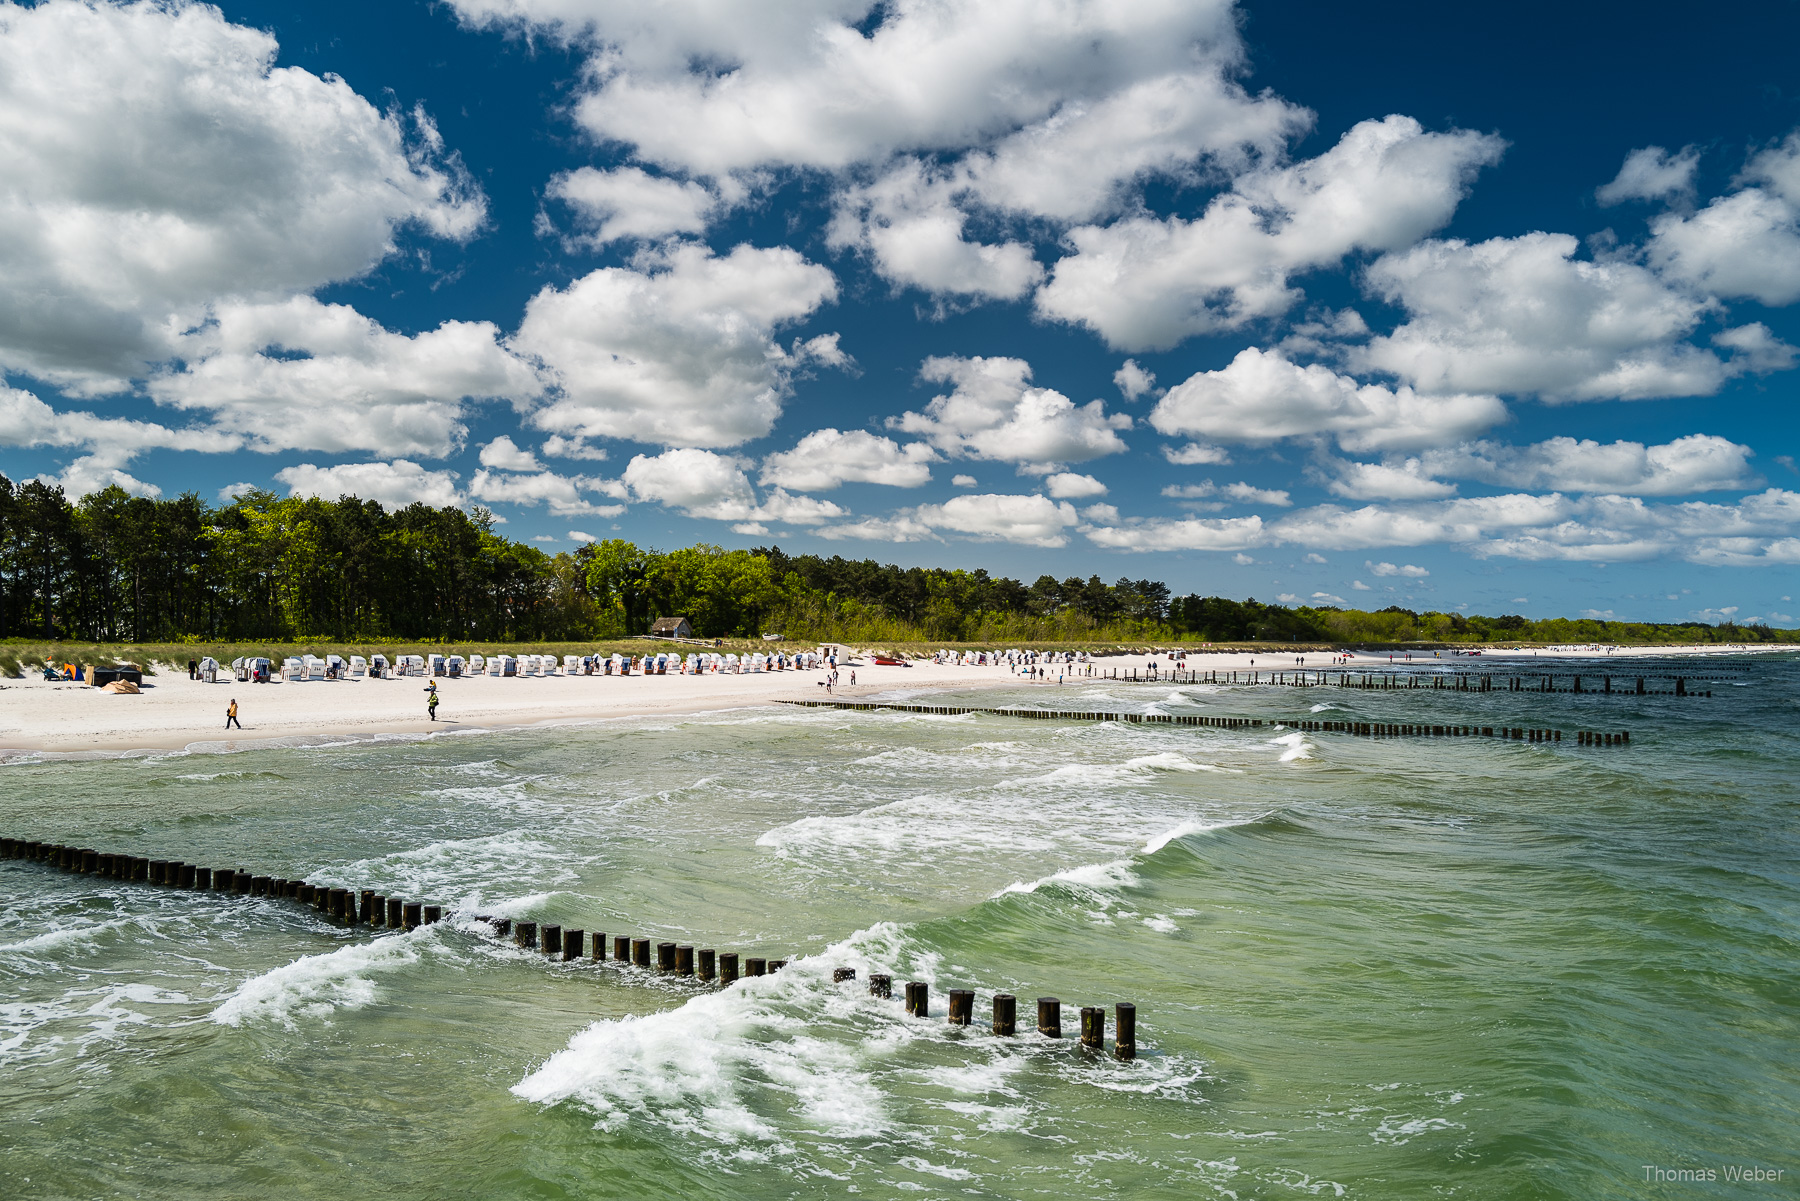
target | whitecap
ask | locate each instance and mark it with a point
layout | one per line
(1297, 746)
(702, 1068)
(1115, 876)
(317, 985)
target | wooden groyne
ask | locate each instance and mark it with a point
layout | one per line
(1364, 729)
(368, 907)
(1585, 684)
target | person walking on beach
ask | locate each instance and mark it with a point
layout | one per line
(431, 705)
(231, 715)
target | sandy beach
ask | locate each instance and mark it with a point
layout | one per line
(174, 712)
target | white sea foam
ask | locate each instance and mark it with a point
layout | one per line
(707, 1067)
(1398, 1130)
(1297, 746)
(317, 985)
(80, 1017)
(1324, 706)
(54, 940)
(1089, 877)
(456, 868)
(1157, 842)
(1132, 771)
(917, 825)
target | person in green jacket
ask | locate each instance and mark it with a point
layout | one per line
(431, 705)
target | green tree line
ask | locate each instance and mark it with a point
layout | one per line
(118, 568)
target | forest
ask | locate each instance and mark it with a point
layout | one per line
(113, 567)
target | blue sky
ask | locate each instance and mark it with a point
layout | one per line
(1285, 301)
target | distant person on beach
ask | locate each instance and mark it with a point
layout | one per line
(431, 705)
(231, 715)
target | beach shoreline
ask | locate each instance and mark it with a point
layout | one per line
(174, 713)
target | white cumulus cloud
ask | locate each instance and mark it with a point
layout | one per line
(1067, 485)
(298, 374)
(1031, 520)
(396, 484)
(827, 458)
(993, 412)
(157, 160)
(1650, 174)
(1524, 316)
(677, 349)
(1147, 283)
(1260, 397)
(628, 202)
(702, 483)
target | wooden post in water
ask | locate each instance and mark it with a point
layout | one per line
(1006, 1013)
(395, 913)
(684, 961)
(1049, 1017)
(378, 905)
(918, 999)
(640, 952)
(1093, 1027)
(881, 985)
(962, 1006)
(841, 974)
(411, 915)
(756, 967)
(775, 965)
(572, 940)
(1124, 1030)
(550, 940)
(203, 879)
(525, 935)
(728, 968)
(665, 956)
(367, 915)
(708, 958)
(433, 913)
(622, 948)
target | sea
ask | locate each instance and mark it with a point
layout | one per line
(1389, 968)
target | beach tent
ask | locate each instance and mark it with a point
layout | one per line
(359, 667)
(335, 668)
(415, 664)
(571, 665)
(477, 665)
(509, 666)
(454, 666)
(492, 666)
(731, 664)
(378, 666)
(437, 665)
(292, 669)
(209, 670)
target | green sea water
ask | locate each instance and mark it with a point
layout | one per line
(1416, 968)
